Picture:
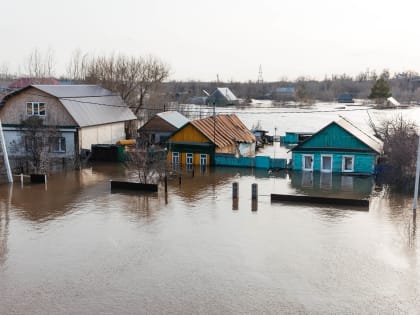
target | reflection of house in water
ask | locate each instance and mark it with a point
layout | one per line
(4, 227)
(195, 187)
(328, 184)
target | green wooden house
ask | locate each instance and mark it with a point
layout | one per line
(339, 147)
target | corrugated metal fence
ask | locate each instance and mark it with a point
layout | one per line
(264, 162)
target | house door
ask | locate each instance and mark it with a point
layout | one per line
(308, 162)
(326, 163)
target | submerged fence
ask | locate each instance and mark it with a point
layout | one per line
(264, 162)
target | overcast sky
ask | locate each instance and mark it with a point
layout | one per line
(203, 39)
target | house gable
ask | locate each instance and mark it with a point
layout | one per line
(333, 137)
(189, 133)
(13, 111)
(157, 124)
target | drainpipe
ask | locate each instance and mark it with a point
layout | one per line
(5, 156)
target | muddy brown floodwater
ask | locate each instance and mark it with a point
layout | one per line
(73, 247)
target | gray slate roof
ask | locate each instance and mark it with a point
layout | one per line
(174, 118)
(90, 105)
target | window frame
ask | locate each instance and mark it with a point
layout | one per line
(203, 157)
(34, 109)
(343, 164)
(304, 156)
(189, 159)
(59, 143)
(175, 158)
(322, 163)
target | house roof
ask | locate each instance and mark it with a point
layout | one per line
(174, 118)
(23, 82)
(371, 141)
(226, 92)
(89, 105)
(224, 130)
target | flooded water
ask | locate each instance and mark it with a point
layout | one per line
(73, 247)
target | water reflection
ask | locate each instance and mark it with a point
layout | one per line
(328, 184)
(4, 225)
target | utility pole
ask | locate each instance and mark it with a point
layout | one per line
(5, 156)
(416, 185)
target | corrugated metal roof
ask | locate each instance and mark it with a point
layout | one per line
(74, 90)
(90, 105)
(371, 141)
(224, 130)
(174, 118)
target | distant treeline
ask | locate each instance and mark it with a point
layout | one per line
(404, 87)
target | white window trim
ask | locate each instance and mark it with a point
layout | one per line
(343, 163)
(187, 158)
(61, 149)
(303, 162)
(175, 154)
(33, 112)
(203, 157)
(322, 163)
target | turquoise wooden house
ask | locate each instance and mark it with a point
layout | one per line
(339, 147)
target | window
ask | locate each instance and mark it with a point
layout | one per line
(348, 163)
(308, 162)
(203, 159)
(58, 144)
(175, 158)
(35, 109)
(190, 160)
(326, 163)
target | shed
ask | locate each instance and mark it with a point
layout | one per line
(222, 96)
(345, 98)
(158, 129)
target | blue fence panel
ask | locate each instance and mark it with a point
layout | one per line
(264, 162)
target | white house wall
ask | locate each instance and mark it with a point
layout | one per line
(103, 134)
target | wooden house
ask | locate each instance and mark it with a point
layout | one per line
(197, 142)
(339, 147)
(79, 115)
(222, 97)
(158, 129)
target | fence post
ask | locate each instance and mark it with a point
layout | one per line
(235, 191)
(254, 197)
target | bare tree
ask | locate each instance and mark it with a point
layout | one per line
(147, 160)
(134, 78)
(37, 141)
(400, 149)
(77, 67)
(40, 65)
